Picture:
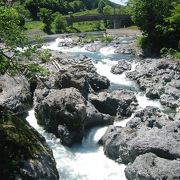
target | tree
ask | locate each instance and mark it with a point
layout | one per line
(59, 22)
(108, 10)
(33, 7)
(46, 17)
(150, 16)
(16, 51)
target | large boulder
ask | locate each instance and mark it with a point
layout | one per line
(66, 113)
(24, 154)
(120, 67)
(119, 102)
(95, 118)
(81, 74)
(15, 94)
(63, 113)
(145, 133)
(160, 78)
(151, 167)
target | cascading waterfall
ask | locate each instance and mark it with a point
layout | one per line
(87, 161)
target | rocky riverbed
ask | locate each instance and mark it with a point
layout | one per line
(77, 96)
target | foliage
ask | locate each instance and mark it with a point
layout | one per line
(108, 10)
(107, 38)
(45, 55)
(59, 23)
(16, 51)
(46, 17)
(158, 21)
(89, 26)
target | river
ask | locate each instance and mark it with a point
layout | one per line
(87, 161)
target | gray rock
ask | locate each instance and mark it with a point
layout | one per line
(115, 103)
(151, 167)
(80, 74)
(145, 133)
(152, 93)
(94, 47)
(64, 107)
(160, 79)
(95, 118)
(120, 67)
(66, 113)
(15, 94)
(149, 117)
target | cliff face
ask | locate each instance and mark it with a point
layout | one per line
(24, 153)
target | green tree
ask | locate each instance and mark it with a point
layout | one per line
(16, 52)
(150, 16)
(59, 23)
(46, 17)
(108, 10)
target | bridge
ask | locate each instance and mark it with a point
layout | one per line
(118, 20)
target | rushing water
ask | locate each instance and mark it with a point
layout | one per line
(87, 161)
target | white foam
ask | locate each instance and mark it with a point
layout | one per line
(107, 50)
(104, 69)
(86, 161)
(144, 101)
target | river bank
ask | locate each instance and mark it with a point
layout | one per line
(97, 84)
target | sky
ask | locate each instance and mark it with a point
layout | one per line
(119, 1)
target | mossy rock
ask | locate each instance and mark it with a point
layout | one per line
(23, 151)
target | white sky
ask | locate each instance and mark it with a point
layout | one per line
(119, 1)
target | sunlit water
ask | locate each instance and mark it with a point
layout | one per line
(87, 161)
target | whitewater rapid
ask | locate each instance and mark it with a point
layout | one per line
(87, 161)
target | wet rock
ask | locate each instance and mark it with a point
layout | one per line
(94, 47)
(151, 167)
(66, 113)
(145, 133)
(72, 78)
(24, 154)
(149, 117)
(160, 79)
(152, 93)
(115, 103)
(65, 107)
(120, 67)
(98, 82)
(15, 94)
(81, 74)
(125, 49)
(95, 118)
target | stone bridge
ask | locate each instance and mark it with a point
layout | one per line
(118, 20)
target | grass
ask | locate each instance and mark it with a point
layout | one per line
(89, 26)
(133, 27)
(34, 28)
(86, 13)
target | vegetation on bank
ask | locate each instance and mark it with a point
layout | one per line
(160, 23)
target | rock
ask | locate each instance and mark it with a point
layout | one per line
(146, 132)
(160, 79)
(152, 93)
(72, 78)
(94, 47)
(151, 167)
(65, 107)
(15, 94)
(98, 82)
(95, 118)
(125, 49)
(149, 117)
(120, 67)
(81, 74)
(24, 154)
(169, 101)
(117, 102)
